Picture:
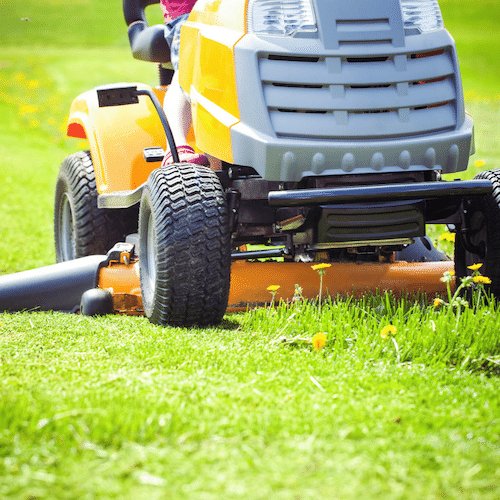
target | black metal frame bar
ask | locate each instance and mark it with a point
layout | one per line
(379, 193)
(259, 254)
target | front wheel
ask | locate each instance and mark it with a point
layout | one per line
(481, 242)
(185, 247)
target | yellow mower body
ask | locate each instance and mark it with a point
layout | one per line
(208, 72)
(327, 138)
(117, 137)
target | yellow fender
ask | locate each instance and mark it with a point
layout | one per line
(117, 137)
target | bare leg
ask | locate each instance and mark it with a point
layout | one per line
(178, 110)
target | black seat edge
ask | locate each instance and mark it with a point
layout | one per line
(147, 42)
(133, 10)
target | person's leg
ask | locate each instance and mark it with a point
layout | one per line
(177, 106)
(178, 111)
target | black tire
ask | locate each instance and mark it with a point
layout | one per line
(483, 242)
(184, 237)
(80, 228)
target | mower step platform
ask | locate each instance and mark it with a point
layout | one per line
(152, 155)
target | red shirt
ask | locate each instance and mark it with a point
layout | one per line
(175, 8)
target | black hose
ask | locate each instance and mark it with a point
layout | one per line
(164, 122)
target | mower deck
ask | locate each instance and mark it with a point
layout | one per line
(249, 281)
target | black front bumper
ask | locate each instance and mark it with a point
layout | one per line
(385, 212)
(417, 191)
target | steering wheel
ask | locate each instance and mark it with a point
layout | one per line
(147, 42)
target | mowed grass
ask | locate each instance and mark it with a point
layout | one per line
(116, 407)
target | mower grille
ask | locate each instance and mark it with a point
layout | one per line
(377, 221)
(345, 97)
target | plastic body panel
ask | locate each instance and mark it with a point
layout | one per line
(207, 71)
(361, 96)
(117, 137)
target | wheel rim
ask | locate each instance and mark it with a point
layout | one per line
(67, 242)
(149, 260)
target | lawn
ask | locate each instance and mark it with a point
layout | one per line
(116, 407)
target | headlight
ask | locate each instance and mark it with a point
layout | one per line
(274, 17)
(424, 15)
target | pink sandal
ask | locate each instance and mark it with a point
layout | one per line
(186, 155)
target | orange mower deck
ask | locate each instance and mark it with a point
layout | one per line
(249, 281)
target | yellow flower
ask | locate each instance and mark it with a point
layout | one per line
(319, 341)
(447, 237)
(475, 267)
(33, 84)
(387, 331)
(28, 109)
(479, 163)
(437, 303)
(483, 280)
(319, 267)
(273, 288)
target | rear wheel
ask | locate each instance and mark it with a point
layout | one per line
(185, 247)
(80, 227)
(481, 244)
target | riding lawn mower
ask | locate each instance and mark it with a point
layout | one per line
(328, 125)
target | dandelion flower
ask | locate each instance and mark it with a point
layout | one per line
(447, 237)
(319, 341)
(482, 280)
(33, 84)
(480, 163)
(320, 267)
(273, 288)
(28, 109)
(475, 267)
(437, 303)
(387, 331)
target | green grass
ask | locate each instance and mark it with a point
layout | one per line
(116, 407)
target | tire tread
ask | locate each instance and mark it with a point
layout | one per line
(193, 245)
